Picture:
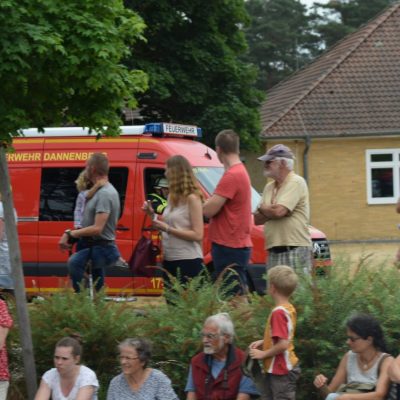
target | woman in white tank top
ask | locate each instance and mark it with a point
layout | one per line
(182, 225)
(365, 363)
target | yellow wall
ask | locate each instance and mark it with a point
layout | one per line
(338, 193)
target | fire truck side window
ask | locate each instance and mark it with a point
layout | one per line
(58, 191)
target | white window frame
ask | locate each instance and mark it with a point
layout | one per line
(394, 164)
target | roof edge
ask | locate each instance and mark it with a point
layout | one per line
(340, 60)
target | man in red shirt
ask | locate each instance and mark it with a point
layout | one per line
(230, 211)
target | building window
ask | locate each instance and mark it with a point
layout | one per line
(383, 177)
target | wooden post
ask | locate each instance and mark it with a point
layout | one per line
(18, 276)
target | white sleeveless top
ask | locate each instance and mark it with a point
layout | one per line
(355, 374)
(175, 248)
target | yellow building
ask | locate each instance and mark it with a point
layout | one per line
(341, 117)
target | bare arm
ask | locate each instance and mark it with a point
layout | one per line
(279, 347)
(44, 392)
(213, 205)
(91, 230)
(339, 378)
(259, 218)
(85, 393)
(196, 220)
(243, 396)
(394, 370)
(3, 336)
(1, 228)
(191, 396)
(273, 211)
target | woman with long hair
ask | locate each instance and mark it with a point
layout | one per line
(364, 367)
(182, 225)
(69, 380)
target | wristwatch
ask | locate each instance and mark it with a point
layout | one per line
(68, 232)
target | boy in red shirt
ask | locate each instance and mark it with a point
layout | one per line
(280, 361)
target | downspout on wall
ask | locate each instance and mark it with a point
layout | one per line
(307, 141)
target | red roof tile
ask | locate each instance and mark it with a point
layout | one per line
(352, 89)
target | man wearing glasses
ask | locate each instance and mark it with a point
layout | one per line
(215, 373)
(284, 211)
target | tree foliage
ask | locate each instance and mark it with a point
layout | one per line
(341, 17)
(61, 62)
(279, 37)
(192, 59)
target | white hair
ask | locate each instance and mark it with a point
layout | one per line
(289, 162)
(224, 323)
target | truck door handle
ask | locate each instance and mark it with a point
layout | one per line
(122, 228)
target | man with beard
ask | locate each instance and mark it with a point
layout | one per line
(284, 210)
(215, 373)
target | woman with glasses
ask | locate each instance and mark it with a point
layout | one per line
(364, 367)
(138, 380)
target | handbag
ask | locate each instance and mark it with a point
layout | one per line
(145, 254)
(356, 387)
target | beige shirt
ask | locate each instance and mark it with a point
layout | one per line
(291, 230)
(175, 248)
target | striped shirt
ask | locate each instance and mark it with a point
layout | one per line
(281, 324)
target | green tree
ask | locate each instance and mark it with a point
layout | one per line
(341, 17)
(61, 62)
(195, 73)
(279, 37)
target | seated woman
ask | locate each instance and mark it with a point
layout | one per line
(68, 380)
(137, 380)
(365, 363)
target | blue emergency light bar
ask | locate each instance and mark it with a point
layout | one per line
(164, 129)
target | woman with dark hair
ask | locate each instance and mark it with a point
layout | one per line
(137, 380)
(182, 226)
(68, 380)
(364, 367)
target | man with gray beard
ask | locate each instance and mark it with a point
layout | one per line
(285, 211)
(215, 373)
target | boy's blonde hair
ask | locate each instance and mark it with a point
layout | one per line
(82, 182)
(283, 278)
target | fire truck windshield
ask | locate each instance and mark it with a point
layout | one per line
(209, 178)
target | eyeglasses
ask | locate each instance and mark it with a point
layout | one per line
(209, 336)
(269, 162)
(353, 338)
(127, 358)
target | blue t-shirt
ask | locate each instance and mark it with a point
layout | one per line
(246, 384)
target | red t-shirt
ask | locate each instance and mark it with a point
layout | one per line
(5, 322)
(231, 227)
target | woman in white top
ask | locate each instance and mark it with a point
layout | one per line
(182, 226)
(68, 380)
(365, 363)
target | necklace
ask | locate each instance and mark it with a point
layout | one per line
(367, 363)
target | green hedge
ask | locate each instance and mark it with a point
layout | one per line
(323, 305)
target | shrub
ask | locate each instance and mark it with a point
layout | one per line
(101, 324)
(323, 304)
